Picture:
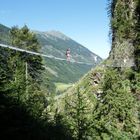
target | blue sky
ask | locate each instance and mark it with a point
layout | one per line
(85, 21)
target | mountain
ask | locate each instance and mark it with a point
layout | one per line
(4, 34)
(56, 43)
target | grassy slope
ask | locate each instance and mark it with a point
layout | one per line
(66, 72)
(86, 83)
(62, 87)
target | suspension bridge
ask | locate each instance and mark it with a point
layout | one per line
(40, 54)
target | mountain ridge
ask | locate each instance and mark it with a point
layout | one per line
(55, 43)
(58, 42)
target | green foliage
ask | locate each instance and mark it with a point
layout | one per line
(115, 113)
(25, 39)
(5, 70)
(122, 19)
(77, 114)
(137, 37)
(22, 102)
(106, 103)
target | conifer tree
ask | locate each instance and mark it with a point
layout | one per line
(137, 36)
(77, 112)
(25, 39)
(27, 71)
(114, 116)
(5, 70)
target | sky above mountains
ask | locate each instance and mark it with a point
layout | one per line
(85, 21)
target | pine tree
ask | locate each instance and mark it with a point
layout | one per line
(26, 71)
(25, 39)
(77, 113)
(114, 116)
(137, 36)
(5, 70)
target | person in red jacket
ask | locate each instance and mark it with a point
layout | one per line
(68, 54)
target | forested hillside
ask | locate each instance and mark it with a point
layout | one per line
(103, 105)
